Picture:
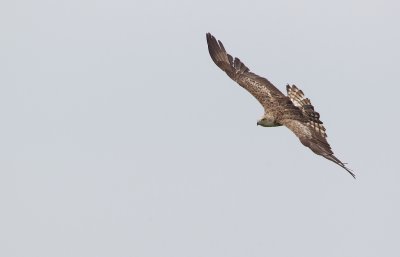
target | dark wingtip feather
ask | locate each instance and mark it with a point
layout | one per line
(215, 50)
(219, 55)
(348, 170)
(340, 163)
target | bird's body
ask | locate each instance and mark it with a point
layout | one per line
(293, 111)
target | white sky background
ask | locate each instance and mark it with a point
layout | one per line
(120, 137)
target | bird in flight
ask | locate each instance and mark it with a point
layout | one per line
(294, 111)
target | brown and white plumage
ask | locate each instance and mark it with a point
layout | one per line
(293, 111)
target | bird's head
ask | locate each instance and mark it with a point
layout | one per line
(262, 122)
(266, 122)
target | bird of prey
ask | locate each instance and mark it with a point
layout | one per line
(294, 111)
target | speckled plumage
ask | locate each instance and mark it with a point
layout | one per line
(293, 111)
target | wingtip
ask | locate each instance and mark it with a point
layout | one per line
(352, 174)
(209, 36)
(340, 163)
(343, 165)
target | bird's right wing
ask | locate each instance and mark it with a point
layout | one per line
(259, 87)
(307, 126)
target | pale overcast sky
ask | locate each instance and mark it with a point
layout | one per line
(120, 137)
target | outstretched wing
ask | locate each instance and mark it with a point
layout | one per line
(259, 87)
(308, 128)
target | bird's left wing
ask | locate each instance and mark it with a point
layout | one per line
(263, 90)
